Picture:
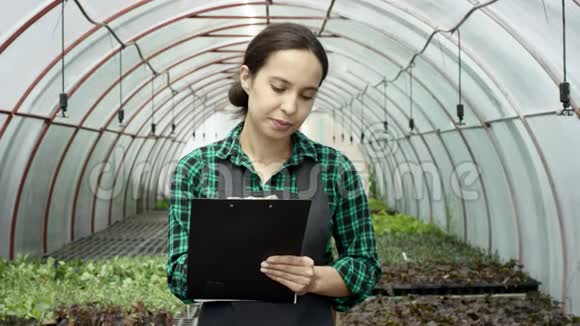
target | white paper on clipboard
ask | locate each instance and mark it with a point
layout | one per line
(236, 300)
(250, 197)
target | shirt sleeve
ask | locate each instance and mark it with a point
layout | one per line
(354, 236)
(179, 214)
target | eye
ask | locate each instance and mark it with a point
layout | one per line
(277, 89)
(308, 96)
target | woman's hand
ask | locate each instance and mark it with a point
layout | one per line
(294, 272)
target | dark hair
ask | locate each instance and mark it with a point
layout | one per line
(276, 37)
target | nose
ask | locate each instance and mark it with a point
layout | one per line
(290, 104)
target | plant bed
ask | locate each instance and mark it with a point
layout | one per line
(454, 278)
(131, 291)
(96, 314)
(460, 289)
(401, 239)
(447, 310)
(419, 258)
(377, 206)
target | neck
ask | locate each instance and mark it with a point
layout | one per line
(262, 149)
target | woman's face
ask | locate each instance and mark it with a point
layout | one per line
(282, 93)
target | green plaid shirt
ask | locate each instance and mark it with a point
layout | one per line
(352, 230)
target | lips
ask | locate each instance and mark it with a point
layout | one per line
(282, 123)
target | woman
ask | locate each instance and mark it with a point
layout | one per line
(283, 68)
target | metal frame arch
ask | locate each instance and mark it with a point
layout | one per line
(42, 133)
(194, 115)
(181, 144)
(429, 121)
(545, 167)
(222, 28)
(402, 152)
(126, 125)
(541, 155)
(463, 138)
(356, 122)
(153, 157)
(414, 150)
(387, 160)
(555, 195)
(122, 161)
(552, 186)
(327, 111)
(538, 148)
(494, 143)
(475, 110)
(185, 112)
(107, 156)
(148, 181)
(126, 185)
(125, 195)
(409, 24)
(412, 146)
(111, 147)
(72, 236)
(29, 23)
(217, 104)
(343, 129)
(113, 52)
(395, 162)
(55, 176)
(402, 112)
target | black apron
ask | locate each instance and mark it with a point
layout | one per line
(310, 309)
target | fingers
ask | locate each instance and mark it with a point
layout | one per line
(290, 269)
(297, 279)
(294, 272)
(291, 260)
(293, 286)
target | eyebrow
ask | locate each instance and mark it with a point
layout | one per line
(311, 88)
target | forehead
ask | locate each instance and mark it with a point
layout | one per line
(299, 67)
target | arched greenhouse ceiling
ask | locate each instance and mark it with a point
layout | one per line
(174, 61)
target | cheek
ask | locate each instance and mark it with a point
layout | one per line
(265, 100)
(304, 111)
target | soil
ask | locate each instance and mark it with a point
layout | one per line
(450, 273)
(446, 310)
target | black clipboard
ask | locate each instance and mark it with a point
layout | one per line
(228, 240)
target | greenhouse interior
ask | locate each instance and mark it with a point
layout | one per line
(460, 121)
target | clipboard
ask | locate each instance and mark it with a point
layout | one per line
(228, 240)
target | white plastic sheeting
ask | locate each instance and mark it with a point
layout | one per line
(507, 181)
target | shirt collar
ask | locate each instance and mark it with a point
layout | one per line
(230, 146)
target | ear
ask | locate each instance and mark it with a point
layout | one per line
(246, 78)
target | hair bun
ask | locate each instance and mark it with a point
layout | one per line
(237, 95)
